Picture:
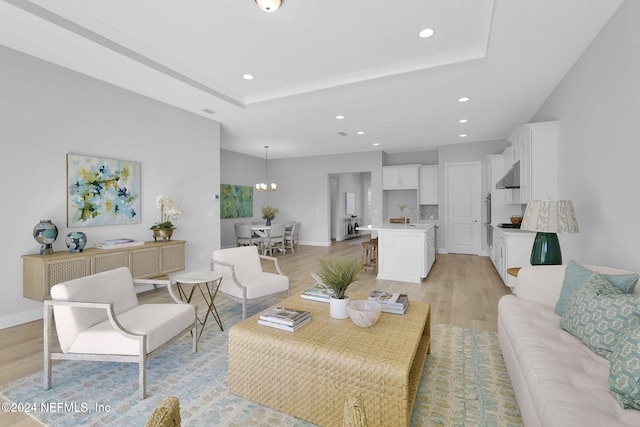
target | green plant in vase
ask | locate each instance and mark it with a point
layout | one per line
(269, 213)
(338, 272)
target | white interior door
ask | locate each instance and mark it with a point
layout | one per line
(334, 184)
(463, 207)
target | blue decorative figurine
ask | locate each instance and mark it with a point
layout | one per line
(76, 241)
(45, 233)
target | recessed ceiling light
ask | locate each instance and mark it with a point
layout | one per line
(463, 121)
(463, 135)
(426, 33)
(463, 99)
(375, 144)
(360, 133)
(340, 117)
(247, 76)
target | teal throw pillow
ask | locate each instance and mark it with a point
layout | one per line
(598, 312)
(576, 274)
(624, 369)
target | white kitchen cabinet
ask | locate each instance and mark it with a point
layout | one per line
(429, 185)
(509, 158)
(405, 253)
(401, 177)
(536, 148)
(431, 248)
(512, 248)
(495, 170)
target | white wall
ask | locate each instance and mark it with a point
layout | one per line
(303, 188)
(598, 104)
(46, 112)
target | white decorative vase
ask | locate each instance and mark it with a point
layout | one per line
(338, 307)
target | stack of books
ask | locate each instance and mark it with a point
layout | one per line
(119, 243)
(287, 319)
(317, 292)
(391, 302)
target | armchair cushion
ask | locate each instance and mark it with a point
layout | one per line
(245, 260)
(258, 285)
(160, 322)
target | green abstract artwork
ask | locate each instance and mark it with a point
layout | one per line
(236, 201)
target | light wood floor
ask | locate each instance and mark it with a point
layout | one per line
(463, 290)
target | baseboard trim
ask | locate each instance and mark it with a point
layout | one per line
(20, 318)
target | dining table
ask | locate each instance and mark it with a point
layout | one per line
(261, 230)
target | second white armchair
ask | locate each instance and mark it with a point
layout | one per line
(243, 277)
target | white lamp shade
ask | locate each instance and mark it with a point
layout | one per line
(550, 216)
(269, 5)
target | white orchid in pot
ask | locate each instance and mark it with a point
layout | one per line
(338, 272)
(169, 210)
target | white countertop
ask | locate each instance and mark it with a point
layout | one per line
(511, 230)
(420, 227)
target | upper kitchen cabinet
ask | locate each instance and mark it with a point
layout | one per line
(402, 177)
(429, 185)
(536, 147)
(494, 164)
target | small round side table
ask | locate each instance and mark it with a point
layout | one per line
(207, 282)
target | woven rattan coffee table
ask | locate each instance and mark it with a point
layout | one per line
(310, 373)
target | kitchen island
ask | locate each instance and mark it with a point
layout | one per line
(406, 253)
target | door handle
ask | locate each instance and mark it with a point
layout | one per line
(475, 220)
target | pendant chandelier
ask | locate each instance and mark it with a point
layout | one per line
(265, 186)
(269, 5)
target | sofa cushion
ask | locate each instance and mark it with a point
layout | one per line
(624, 369)
(598, 312)
(575, 274)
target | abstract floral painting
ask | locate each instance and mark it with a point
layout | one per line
(102, 191)
(236, 201)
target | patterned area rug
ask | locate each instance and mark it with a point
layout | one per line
(464, 383)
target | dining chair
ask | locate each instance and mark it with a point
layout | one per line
(244, 235)
(292, 237)
(274, 239)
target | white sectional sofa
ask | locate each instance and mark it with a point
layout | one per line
(557, 380)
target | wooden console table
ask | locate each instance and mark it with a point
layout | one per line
(149, 261)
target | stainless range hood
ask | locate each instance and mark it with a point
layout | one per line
(511, 179)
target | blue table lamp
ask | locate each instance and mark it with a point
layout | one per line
(548, 217)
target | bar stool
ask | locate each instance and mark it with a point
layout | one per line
(370, 255)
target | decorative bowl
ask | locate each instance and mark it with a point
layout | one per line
(516, 219)
(364, 313)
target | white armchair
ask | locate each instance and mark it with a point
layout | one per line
(98, 318)
(243, 277)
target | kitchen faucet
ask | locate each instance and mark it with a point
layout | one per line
(406, 210)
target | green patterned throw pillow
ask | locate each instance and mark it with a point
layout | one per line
(598, 312)
(575, 274)
(624, 369)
